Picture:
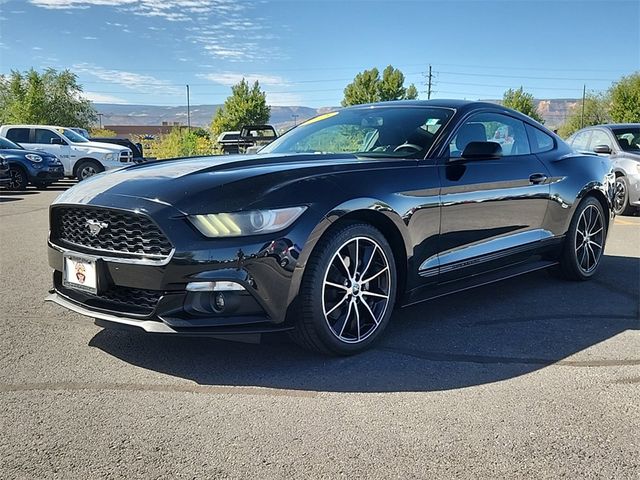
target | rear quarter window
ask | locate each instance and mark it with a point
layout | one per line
(539, 140)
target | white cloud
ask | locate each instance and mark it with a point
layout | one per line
(284, 99)
(220, 28)
(131, 80)
(89, 38)
(231, 78)
(36, 48)
(102, 98)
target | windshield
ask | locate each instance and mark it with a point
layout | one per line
(628, 138)
(9, 145)
(394, 131)
(73, 136)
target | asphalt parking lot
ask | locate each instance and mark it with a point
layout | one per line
(533, 377)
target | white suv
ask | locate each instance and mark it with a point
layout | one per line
(81, 157)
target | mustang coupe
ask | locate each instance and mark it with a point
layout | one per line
(330, 227)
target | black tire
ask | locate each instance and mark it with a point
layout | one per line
(19, 179)
(585, 241)
(88, 168)
(337, 313)
(41, 186)
(621, 204)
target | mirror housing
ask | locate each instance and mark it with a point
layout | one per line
(482, 151)
(605, 149)
(57, 141)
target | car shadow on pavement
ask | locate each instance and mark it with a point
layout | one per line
(485, 335)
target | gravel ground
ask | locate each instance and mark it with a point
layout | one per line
(533, 377)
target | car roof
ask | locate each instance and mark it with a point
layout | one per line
(34, 126)
(612, 126)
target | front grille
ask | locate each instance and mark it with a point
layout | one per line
(122, 234)
(126, 157)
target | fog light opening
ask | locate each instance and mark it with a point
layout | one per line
(218, 303)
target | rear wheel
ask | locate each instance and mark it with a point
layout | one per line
(18, 179)
(88, 168)
(347, 293)
(584, 244)
(621, 198)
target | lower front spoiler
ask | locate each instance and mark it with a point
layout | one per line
(108, 320)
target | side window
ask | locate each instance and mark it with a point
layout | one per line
(509, 132)
(599, 138)
(539, 141)
(44, 136)
(581, 140)
(18, 135)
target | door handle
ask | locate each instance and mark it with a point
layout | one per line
(537, 178)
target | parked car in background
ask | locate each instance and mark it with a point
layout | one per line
(248, 140)
(4, 172)
(136, 148)
(621, 143)
(80, 157)
(29, 166)
(332, 225)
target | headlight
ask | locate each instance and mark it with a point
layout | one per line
(245, 223)
(33, 157)
(109, 157)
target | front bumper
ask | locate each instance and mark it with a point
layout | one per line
(152, 295)
(634, 190)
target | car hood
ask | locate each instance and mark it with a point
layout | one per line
(13, 152)
(102, 147)
(232, 183)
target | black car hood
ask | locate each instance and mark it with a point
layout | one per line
(228, 182)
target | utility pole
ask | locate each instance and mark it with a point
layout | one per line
(584, 95)
(429, 84)
(295, 118)
(188, 111)
(100, 119)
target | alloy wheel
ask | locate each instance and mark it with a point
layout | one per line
(620, 197)
(589, 238)
(16, 179)
(356, 290)
(87, 171)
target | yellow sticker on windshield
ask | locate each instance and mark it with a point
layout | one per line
(319, 118)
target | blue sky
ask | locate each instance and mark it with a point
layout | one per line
(304, 52)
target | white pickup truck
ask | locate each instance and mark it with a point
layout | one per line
(81, 157)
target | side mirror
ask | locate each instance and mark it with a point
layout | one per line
(57, 141)
(605, 149)
(482, 151)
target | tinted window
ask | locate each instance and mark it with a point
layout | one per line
(598, 137)
(509, 132)
(44, 136)
(539, 141)
(19, 135)
(581, 140)
(8, 145)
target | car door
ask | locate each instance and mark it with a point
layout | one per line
(42, 140)
(492, 208)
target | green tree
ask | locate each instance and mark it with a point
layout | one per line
(521, 101)
(245, 106)
(625, 99)
(51, 97)
(181, 142)
(369, 87)
(596, 111)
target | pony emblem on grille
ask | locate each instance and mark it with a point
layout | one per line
(95, 227)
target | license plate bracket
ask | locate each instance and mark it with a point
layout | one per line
(80, 273)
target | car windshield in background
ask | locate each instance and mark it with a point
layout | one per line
(9, 145)
(398, 131)
(628, 138)
(73, 136)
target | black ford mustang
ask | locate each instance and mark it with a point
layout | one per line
(331, 226)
